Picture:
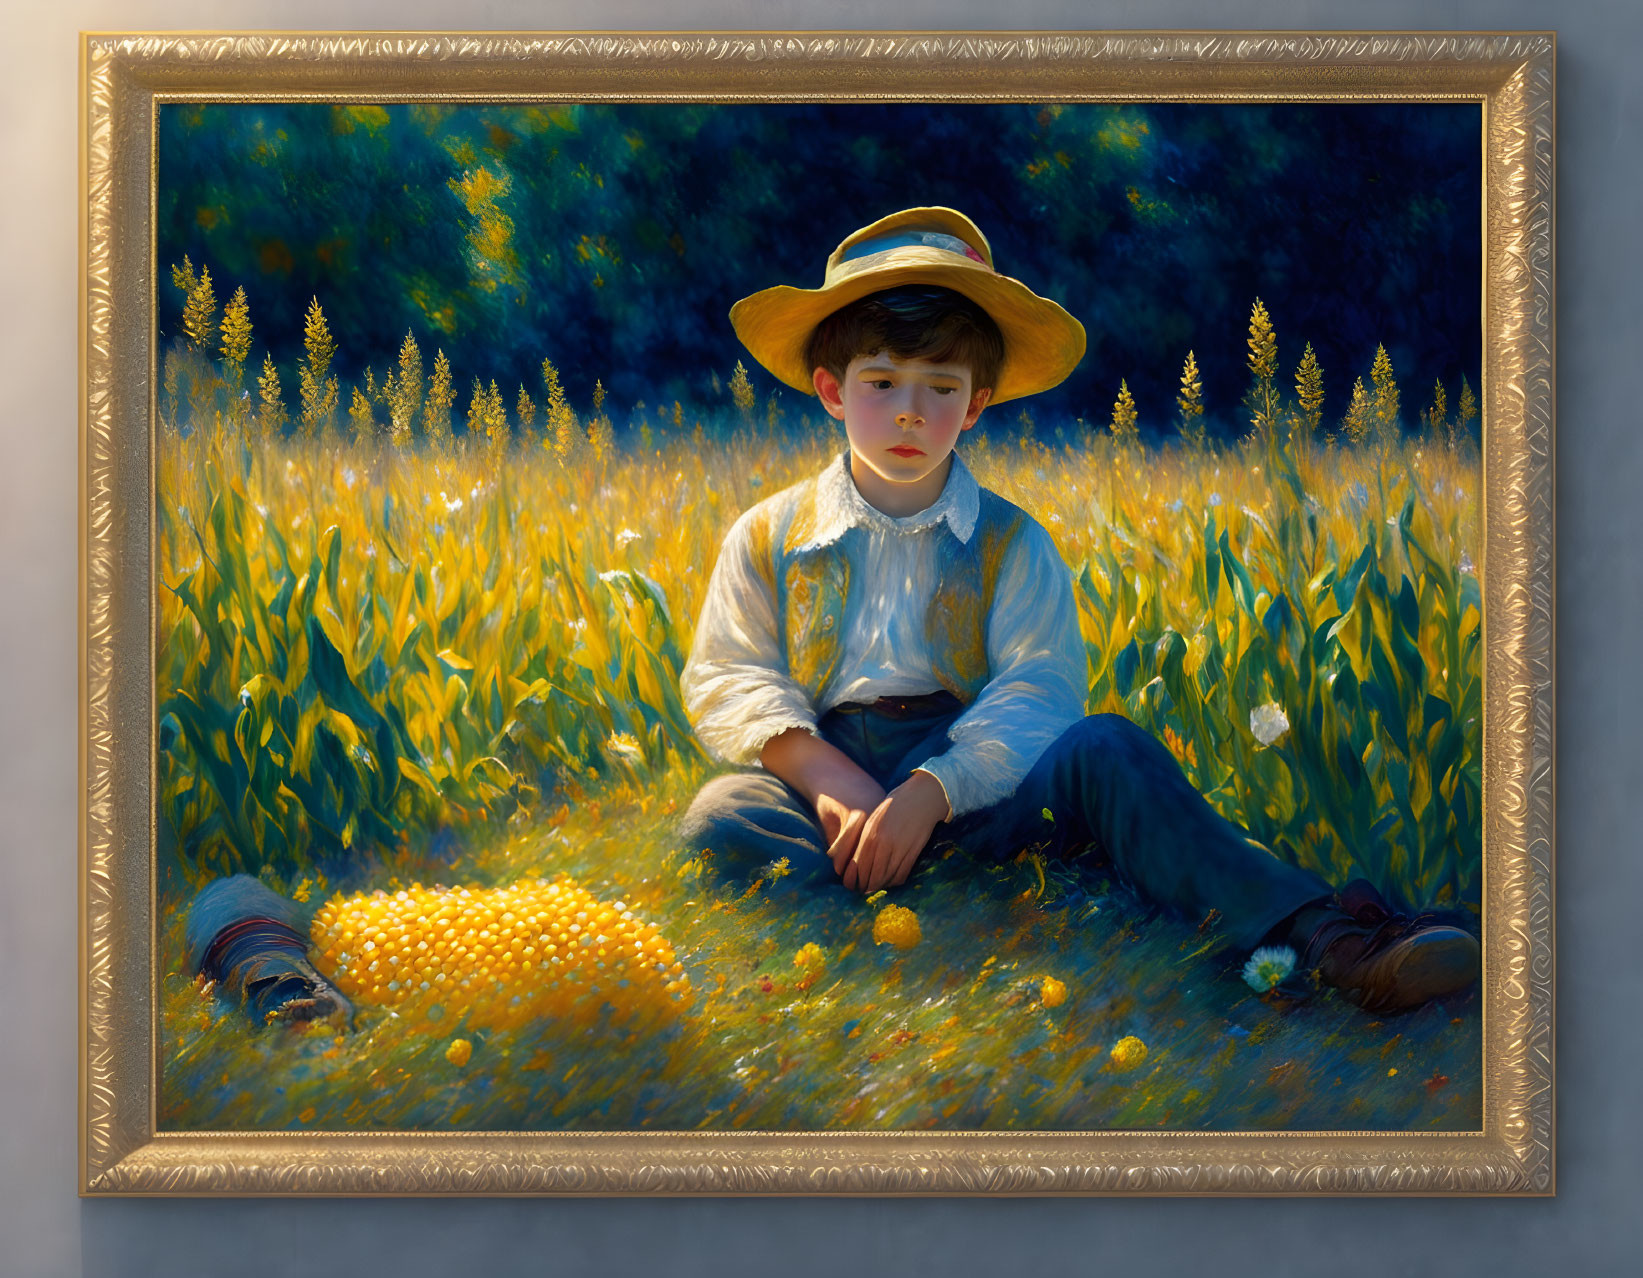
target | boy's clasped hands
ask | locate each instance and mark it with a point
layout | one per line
(874, 838)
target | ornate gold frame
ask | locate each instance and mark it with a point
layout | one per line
(123, 77)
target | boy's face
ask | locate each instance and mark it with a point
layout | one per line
(902, 417)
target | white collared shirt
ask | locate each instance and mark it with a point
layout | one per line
(739, 694)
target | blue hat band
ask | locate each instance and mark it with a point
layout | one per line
(912, 239)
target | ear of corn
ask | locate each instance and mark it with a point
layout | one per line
(503, 957)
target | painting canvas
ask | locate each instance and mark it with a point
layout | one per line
(451, 424)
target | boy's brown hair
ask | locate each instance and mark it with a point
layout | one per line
(914, 322)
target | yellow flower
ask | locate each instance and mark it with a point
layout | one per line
(1053, 993)
(459, 1051)
(813, 959)
(898, 926)
(1128, 1052)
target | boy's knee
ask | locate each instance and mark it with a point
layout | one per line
(1111, 734)
(724, 809)
(712, 804)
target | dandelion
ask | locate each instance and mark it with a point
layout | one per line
(1268, 967)
(1051, 992)
(898, 926)
(1268, 722)
(1128, 1052)
(459, 1051)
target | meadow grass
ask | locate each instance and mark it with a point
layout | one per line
(381, 665)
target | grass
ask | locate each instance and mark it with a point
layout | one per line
(951, 1034)
(381, 666)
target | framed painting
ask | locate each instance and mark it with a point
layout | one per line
(899, 613)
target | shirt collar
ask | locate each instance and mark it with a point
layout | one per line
(840, 506)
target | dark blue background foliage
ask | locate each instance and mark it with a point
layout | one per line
(635, 227)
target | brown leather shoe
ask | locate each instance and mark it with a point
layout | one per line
(1387, 962)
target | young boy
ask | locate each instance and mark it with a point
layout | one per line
(898, 650)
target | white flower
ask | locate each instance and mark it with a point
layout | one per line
(452, 504)
(1215, 499)
(1466, 564)
(1268, 722)
(348, 476)
(1268, 966)
(625, 536)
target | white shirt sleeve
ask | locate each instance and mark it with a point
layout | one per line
(736, 687)
(1040, 679)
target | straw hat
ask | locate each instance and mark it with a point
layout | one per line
(1042, 342)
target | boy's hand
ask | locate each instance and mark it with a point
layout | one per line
(894, 834)
(843, 809)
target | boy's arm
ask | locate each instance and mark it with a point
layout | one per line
(736, 688)
(1040, 679)
(746, 708)
(842, 795)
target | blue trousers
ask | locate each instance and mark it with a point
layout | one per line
(1110, 786)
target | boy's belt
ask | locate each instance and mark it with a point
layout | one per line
(925, 704)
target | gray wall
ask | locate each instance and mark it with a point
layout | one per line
(1591, 1228)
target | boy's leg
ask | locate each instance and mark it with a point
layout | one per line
(247, 938)
(752, 818)
(1110, 783)
(749, 819)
